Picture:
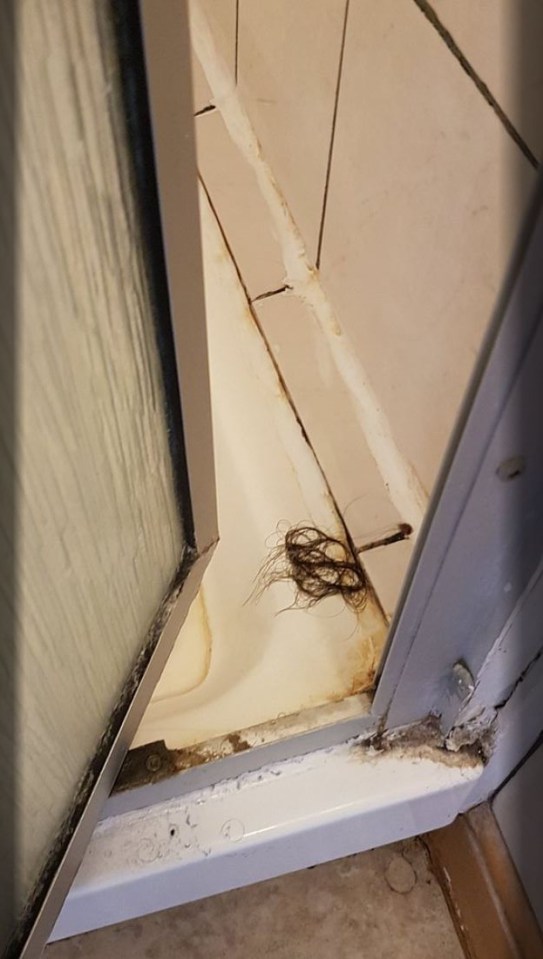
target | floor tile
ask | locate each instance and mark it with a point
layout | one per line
(382, 904)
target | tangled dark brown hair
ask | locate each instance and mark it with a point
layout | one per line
(318, 564)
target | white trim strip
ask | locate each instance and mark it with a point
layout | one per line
(287, 816)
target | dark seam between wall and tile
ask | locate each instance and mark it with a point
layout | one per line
(428, 11)
(332, 134)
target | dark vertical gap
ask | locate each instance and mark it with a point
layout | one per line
(428, 11)
(525, 34)
(332, 135)
(9, 730)
(236, 55)
(139, 132)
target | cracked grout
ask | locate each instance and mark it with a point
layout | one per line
(428, 11)
(332, 136)
(209, 109)
(372, 590)
(286, 288)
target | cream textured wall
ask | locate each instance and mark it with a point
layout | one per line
(99, 538)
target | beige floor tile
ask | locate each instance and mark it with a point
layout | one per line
(325, 409)
(240, 207)
(349, 908)
(221, 16)
(423, 208)
(503, 41)
(288, 67)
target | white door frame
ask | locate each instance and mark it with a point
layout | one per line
(480, 554)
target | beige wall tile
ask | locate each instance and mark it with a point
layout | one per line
(503, 41)
(221, 16)
(201, 93)
(324, 407)
(288, 66)
(423, 208)
(240, 207)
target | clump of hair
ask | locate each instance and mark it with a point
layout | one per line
(319, 565)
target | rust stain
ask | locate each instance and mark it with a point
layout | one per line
(154, 762)
(238, 744)
(361, 667)
(423, 741)
(191, 756)
(363, 681)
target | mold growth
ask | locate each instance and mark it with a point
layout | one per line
(424, 741)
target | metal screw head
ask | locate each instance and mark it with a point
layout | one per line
(511, 468)
(153, 763)
(461, 682)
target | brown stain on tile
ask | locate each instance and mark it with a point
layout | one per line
(364, 660)
(361, 666)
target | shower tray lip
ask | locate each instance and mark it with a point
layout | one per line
(153, 773)
(287, 816)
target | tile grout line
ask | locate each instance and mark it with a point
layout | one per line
(332, 136)
(372, 590)
(402, 483)
(236, 46)
(429, 13)
(266, 296)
